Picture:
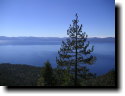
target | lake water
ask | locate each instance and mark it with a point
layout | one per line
(37, 54)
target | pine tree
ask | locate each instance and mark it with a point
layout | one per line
(46, 78)
(48, 74)
(74, 55)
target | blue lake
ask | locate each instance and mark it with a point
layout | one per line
(37, 54)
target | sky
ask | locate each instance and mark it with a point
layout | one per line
(51, 18)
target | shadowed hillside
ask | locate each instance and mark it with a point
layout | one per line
(18, 75)
(25, 75)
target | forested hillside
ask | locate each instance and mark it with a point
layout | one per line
(18, 75)
(25, 75)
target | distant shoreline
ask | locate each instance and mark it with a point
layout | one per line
(45, 40)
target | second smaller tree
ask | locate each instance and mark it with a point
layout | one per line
(46, 76)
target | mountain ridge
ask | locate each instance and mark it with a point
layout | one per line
(44, 40)
(31, 37)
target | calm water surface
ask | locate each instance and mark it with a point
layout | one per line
(37, 54)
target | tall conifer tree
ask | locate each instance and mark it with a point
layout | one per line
(74, 54)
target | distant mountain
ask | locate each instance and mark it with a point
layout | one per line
(44, 40)
(107, 39)
(32, 38)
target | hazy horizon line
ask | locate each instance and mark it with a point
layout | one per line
(60, 37)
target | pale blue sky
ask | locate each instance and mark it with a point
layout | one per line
(51, 18)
